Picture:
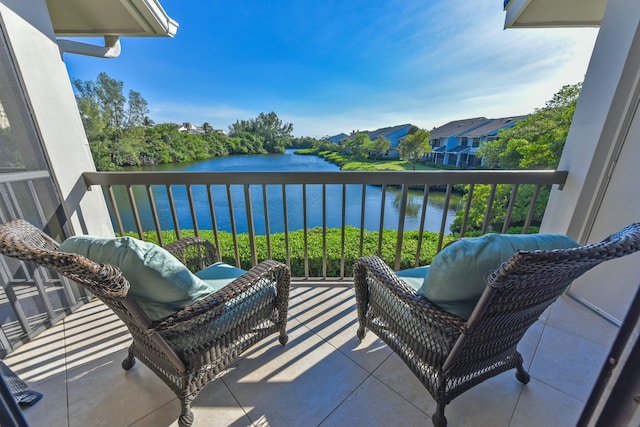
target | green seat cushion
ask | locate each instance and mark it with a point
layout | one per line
(414, 277)
(219, 275)
(160, 284)
(458, 274)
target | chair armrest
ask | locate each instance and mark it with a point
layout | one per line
(213, 305)
(373, 267)
(194, 252)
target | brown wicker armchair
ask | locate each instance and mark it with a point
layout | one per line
(188, 349)
(450, 355)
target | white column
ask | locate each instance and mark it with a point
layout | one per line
(603, 159)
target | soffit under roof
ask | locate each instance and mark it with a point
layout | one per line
(553, 13)
(96, 18)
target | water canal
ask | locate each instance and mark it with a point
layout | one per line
(277, 163)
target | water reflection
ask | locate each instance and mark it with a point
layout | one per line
(323, 208)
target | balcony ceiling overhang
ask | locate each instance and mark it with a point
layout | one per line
(123, 18)
(553, 13)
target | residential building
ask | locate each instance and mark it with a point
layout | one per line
(197, 130)
(395, 135)
(457, 142)
(191, 128)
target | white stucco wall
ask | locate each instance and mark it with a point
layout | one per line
(32, 42)
(602, 157)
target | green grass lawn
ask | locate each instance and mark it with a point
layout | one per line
(383, 165)
(347, 164)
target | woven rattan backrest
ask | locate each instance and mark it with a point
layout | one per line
(522, 289)
(20, 239)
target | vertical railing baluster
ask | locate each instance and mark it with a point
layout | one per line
(443, 223)
(324, 231)
(134, 211)
(467, 209)
(381, 227)
(45, 274)
(214, 222)
(250, 225)
(343, 228)
(192, 210)
(116, 209)
(362, 214)
(512, 202)
(487, 215)
(532, 209)
(154, 214)
(267, 225)
(174, 214)
(286, 225)
(232, 221)
(401, 219)
(305, 231)
(423, 219)
(32, 274)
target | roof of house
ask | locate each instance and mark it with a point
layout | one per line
(335, 138)
(457, 127)
(492, 126)
(386, 131)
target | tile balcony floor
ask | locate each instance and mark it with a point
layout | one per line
(323, 377)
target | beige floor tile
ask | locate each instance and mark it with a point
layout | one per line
(103, 394)
(396, 375)
(490, 403)
(542, 405)
(568, 362)
(51, 409)
(42, 358)
(375, 405)
(529, 343)
(309, 302)
(330, 312)
(215, 406)
(296, 385)
(569, 315)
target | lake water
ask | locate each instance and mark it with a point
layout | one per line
(277, 163)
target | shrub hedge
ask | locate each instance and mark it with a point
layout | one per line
(335, 245)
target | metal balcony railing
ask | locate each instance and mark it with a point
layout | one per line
(264, 204)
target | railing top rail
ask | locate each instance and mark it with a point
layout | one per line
(340, 177)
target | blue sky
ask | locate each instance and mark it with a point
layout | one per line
(336, 66)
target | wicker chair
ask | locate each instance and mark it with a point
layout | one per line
(188, 349)
(450, 355)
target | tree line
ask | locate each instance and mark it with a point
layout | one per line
(120, 132)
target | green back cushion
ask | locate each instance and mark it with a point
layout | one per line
(160, 284)
(457, 276)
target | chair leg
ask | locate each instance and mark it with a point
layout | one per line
(284, 338)
(129, 361)
(438, 418)
(361, 332)
(522, 375)
(186, 416)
